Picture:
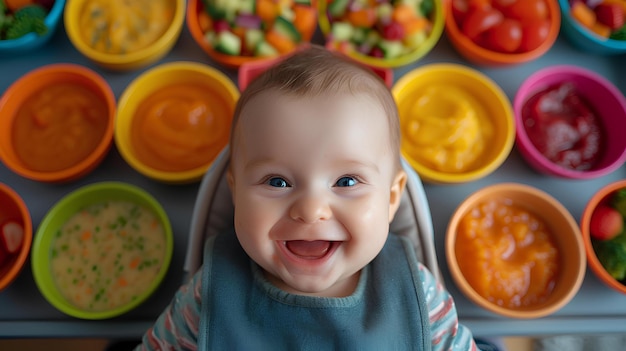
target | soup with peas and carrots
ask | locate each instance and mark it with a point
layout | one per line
(106, 255)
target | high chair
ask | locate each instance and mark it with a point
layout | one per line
(213, 213)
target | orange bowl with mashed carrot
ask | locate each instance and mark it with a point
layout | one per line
(174, 119)
(57, 123)
(515, 251)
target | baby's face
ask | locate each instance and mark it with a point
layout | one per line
(314, 188)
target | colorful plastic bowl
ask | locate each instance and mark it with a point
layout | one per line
(437, 21)
(601, 197)
(173, 137)
(479, 55)
(32, 41)
(67, 207)
(14, 210)
(198, 27)
(606, 100)
(446, 110)
(39, 84)
(585, 40)
(564, 232)
(75, 17)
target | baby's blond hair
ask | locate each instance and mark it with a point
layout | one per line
(315, 71)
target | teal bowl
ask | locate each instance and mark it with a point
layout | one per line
(585, 40)
(33, 41)
(50, 229)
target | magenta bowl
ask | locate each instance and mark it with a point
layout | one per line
(604, 98)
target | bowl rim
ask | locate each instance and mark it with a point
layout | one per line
(466, 288)
(124, 145)
(619, 45)
(432, 175)
(39, 261)
(424, 49)
(164, 42)
(462, 43)
(14, 271)
(585, 220)
(530, 151)
(97, 155)
(51, 21)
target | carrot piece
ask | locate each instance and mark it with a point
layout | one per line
(583, 14)
(601, 30)
(134, 263)
(267, 10)
(204, 21)
(279, 41)
(365, 17)
(85, 236)
(15, 5)
(305, 20)
(415, 25)
(403, 13)
(122, 282)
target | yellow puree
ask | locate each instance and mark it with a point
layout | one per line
(123, 26)
(445, 127)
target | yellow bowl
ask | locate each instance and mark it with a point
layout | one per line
(457, 124)
(438, 24)
(566, 247)
(165, 145)
(75, 15)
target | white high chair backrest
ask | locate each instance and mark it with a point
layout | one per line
(213, 214)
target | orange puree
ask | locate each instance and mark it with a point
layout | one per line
(180, 127)
(58, 127)
(507, 254)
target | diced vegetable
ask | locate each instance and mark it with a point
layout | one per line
(21, 18)
(228, 43)
(606, 223)
(605, 18)
(11, 237)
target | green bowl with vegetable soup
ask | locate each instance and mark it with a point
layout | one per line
(102, 250)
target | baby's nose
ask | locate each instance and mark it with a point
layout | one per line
(311, 207)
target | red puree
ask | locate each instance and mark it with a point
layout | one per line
(563, 127)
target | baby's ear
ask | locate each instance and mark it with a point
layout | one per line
(395, 193)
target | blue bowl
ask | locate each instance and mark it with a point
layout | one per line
(584, 39)
(32, 41)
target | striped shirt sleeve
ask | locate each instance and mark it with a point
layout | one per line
(177, 327)
(447, 334)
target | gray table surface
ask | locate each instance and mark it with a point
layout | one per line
(25, 313)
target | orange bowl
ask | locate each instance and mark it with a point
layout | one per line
(600, 197)
(194, 7)
(46, 90)
(511, 244)
(13, 208)
(486, 57)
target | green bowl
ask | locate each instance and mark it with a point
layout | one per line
(61, 212)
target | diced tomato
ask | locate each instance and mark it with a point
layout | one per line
(606, 222)
(534, 34)
(527, 10)
(611, 15)
(479, 20)
(459, 11)
(506, 36)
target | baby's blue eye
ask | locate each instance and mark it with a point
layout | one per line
(346, 181)
(278, 182)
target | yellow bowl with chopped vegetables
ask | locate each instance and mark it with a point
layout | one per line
(382, 34)
(102, 250)
(124, 35)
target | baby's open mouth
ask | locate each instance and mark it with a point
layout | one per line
(310, 250)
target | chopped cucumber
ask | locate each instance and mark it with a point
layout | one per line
(265, 49)
(228, 43)
(338, 8)
(286, 28)
(391, 48)
(247, 6)
(416, 39)
(359, 35)
(342, 31)
(252, 38)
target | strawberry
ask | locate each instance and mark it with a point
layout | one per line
(606, 223)
(11, 236)
(611, 15)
